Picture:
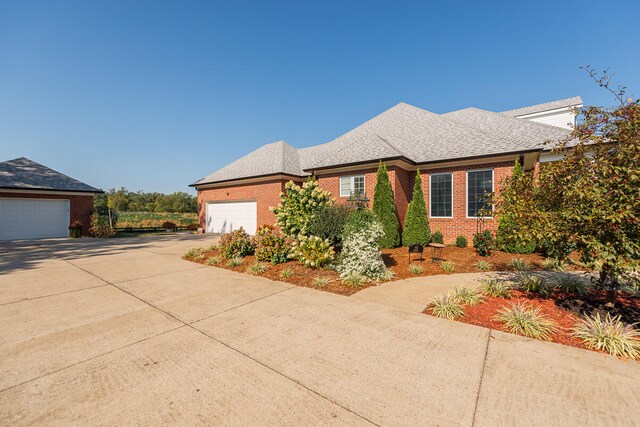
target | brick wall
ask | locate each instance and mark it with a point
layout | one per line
(460, 224)
(79, 206)
(265, 194)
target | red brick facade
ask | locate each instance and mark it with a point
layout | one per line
(80, 205)
(266, 194)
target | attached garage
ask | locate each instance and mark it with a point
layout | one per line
(223, 217)
(37, 202)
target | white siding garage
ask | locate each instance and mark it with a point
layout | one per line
(223, 217)
(33, 218)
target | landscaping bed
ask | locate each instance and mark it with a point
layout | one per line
(464, 260)
(562, 308)
(302, 275)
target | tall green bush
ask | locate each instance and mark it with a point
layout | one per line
(416, 223)
(511, 236)
(298, 206)
(328, 223)
(384, 208)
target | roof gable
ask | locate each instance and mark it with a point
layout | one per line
(25, 174)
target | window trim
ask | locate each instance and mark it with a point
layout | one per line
(351, 183)
(441, 173)
(466, 192)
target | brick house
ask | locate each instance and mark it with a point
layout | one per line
(461, 156)
(39, 202)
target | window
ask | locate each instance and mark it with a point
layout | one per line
(479, 185)
(351, 185)
(441, 195)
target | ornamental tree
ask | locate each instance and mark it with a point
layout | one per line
(298, 206)
(384, 208)
(591, 197)
(416, 223)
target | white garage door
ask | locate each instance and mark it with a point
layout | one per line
(226, 217)
(33, 218)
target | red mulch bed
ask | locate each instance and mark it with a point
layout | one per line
(464, 261)
(303, 275)
(553, 306)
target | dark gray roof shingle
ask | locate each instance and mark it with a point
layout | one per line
(25, 174)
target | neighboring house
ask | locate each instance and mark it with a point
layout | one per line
(38, 202)
(461, 156)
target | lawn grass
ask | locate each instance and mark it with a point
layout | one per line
(154, 219)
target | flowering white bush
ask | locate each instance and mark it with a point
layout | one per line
(298, 205)
(312, 251)
(360, 252)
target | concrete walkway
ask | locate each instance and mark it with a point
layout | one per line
(416, 293)
(125, 332)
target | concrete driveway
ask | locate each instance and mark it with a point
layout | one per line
(125, 332)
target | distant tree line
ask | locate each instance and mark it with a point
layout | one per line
(123, 200)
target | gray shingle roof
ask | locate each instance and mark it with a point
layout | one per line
(22, 173)
(276, 157)
(560, 103)
(403, 131)
(524, 134)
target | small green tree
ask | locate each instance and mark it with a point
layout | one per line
(298, 206)
(514, 202)
(416, 222)
(384, 208)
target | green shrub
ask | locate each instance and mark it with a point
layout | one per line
(192, 253)
(328, 223)
(214, 260)
(256, 268)
(518, 264)
(446, 307)
(271, 245)
(437, 237)
(299, 205)
(235, 262)
(312, 251)
(321, 282)
(354, 279)
(236, 244)
(169, 225)
(360, 251)
(533, 284)
(467, 295)
(357, 221)
(447, 266)
(461, 242)
(287, 272)
(384, 207)
(556, 246)
(483, 265)
(554, 264)
(483, 242)
(416, 224)
(572, 285)
(416, 269)
(610, 335)
(528, 321)
(496, 288)
(508, 240)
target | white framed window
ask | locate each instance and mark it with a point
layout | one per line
(441, 195)
(479, 187)
(353, 184)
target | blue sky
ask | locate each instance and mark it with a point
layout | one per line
(154, 95)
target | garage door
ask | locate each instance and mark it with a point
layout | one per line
(226, 217)
(33, 218)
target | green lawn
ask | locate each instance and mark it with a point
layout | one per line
(154, 219)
